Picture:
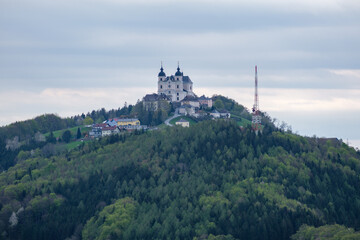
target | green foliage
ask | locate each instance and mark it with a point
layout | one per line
(218, 104)
(212, 180)
(66, 136)
(111, 221)
(152, 118)
(44, 123)
(330, 232)
(224, 103)
(78, 134)
(51, 138)
(88, 120)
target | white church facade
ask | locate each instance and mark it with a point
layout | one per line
(176, 87)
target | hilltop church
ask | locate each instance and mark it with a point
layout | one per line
(178, 90)
(176, 87)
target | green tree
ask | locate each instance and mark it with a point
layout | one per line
(218, 104)
(88, 120)
(66, 136)
(51, 138)
(78, 134)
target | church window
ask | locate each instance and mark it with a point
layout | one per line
(190, 88)
(177, 98)
(177, 79)
(177, 86)
(161, 86)
(169, 86)
(177, 94)
(169, 92)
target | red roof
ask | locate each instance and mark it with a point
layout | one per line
(100, 125)
(109, 128)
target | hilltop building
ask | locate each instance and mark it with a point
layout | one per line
(114, 126)
(176, 87)
(204, 101)
(153, 102)
(176, 91)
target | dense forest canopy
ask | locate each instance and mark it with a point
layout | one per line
(27, 135)
(213, 180)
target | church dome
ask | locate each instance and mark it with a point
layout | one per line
(161, 73)
(178, 73)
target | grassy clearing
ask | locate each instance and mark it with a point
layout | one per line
(243, 122)
(73, 145)
(73, 131)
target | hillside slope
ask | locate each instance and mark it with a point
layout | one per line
(212, 180)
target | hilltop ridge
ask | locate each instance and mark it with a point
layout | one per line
(213, 180)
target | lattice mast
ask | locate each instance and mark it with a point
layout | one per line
(256, 117)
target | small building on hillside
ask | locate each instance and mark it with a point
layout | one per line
(153, 102)
(182, 122)
(215, 114)
(112, 122)
(107, 131)
(128, 122)
(220, 114)
(200, 114)
(95, 132)
(204, 101)
(191, 100)
(100, 125)
(224, 114)
(186, 110)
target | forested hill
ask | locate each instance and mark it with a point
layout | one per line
(213, 180)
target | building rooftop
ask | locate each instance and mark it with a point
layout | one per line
(109, 128)
(155, 97)
(190, 98)
(100, 125)
(161, 73)
(127, 120)
(186, 79)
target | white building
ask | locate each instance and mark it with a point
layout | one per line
(107, 131)
(176, 87)
(183, 123)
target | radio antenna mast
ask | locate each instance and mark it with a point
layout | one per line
(256, 117)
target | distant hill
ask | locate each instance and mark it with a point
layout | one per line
(39, 132)
(213, 180)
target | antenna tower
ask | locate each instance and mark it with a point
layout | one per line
(256, 117)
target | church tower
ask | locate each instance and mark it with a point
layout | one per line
(176, 87)
(162, 75)
(178, 74)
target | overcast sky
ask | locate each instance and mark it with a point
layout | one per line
(69, 57)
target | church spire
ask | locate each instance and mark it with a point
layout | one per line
(178, 73)
(161, 73)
